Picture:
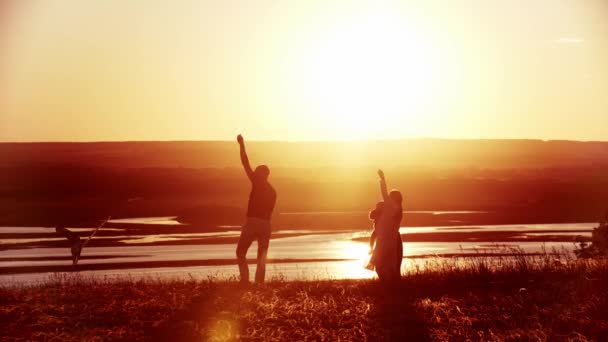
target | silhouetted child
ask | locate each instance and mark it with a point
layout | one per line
(374, 215)
(73, 240)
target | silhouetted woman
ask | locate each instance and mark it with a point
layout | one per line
(388, 248)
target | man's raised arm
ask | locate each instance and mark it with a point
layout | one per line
(244, 158)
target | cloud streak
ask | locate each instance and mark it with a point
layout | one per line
(570, 40)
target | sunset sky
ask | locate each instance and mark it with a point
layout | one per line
(90, 70)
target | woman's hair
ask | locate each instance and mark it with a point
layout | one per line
(395, 196)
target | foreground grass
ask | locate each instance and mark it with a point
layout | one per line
(515, 299)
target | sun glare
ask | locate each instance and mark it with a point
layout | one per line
(368, 74)
(357, 251)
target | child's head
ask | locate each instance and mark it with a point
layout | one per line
(375, 214)
(59, 228)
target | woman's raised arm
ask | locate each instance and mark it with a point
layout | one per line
(383, 188)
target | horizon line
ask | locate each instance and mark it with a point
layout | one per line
(296, 141)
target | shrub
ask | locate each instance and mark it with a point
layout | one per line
(599, 243)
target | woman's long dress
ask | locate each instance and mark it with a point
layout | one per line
(388, 242)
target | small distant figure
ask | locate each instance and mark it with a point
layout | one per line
(387, 252)
(73, 240)
(76, 245)
(262, 200)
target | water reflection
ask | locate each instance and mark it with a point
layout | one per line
(432, 212)
(296, 254)
(164, 220)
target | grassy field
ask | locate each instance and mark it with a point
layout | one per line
(524, 298)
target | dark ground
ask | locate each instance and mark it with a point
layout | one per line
(547, 302)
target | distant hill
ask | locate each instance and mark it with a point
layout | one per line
(427, 153)
(521, 180)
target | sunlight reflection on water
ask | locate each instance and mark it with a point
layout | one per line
(307, 249)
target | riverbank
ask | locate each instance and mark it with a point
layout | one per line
(522, 298)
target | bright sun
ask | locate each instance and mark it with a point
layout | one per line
(369, 74)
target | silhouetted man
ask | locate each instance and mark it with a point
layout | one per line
(259, 210)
